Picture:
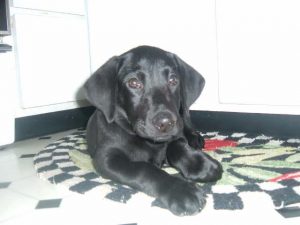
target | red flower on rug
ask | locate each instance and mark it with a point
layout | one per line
(212, 144)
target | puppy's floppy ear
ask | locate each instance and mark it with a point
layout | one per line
(101, 88)
(192, 84)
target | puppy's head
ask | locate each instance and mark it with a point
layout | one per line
(150, 88)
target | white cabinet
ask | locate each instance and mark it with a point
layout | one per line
(66, 6)
(52, 58)
(7, 98)
(259, 54)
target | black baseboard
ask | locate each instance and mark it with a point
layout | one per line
(256, 123)
(43, 124)
(268, 124)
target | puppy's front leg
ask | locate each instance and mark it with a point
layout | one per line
(179, 196)
(193, 165)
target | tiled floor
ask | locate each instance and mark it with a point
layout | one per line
(26, 199)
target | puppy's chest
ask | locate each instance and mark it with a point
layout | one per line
(149, 152)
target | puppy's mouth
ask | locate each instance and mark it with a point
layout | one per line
(152, 135)
(157, 139)
(165, 138)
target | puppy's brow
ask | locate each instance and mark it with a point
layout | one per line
(135, 66)
(129, 69)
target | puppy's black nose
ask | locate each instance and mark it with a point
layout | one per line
(163, 122)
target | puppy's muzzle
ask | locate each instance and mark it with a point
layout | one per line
(164, 122)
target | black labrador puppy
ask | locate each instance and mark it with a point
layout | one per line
(142, 121)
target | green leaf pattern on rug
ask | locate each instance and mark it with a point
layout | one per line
(255, 162)
(279, 164)
(228, 179)
(294, 158)
(256, 173)
(83, 161)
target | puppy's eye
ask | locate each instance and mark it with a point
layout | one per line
(135, 83)
(173, 80)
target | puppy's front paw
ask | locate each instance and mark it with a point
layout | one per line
(203, 168)
(184, 198)
(211, 172)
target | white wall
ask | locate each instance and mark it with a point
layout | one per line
(186, 28)
(229, 42)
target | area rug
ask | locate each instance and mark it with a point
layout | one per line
(251, 163)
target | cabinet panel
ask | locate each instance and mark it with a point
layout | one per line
(259, 51)
(7, 98)
(67, 6)
(53, 58)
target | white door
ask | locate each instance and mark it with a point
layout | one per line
(259, 52)
(52, 56)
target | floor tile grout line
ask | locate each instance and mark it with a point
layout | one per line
(22, 177)
(23, 194)
(23, 213)
(60, 196)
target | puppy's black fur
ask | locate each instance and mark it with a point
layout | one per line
(142, 121)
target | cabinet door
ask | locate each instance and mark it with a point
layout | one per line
(259, 51)
(7, 99)
(53, 58)
(66, 6)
